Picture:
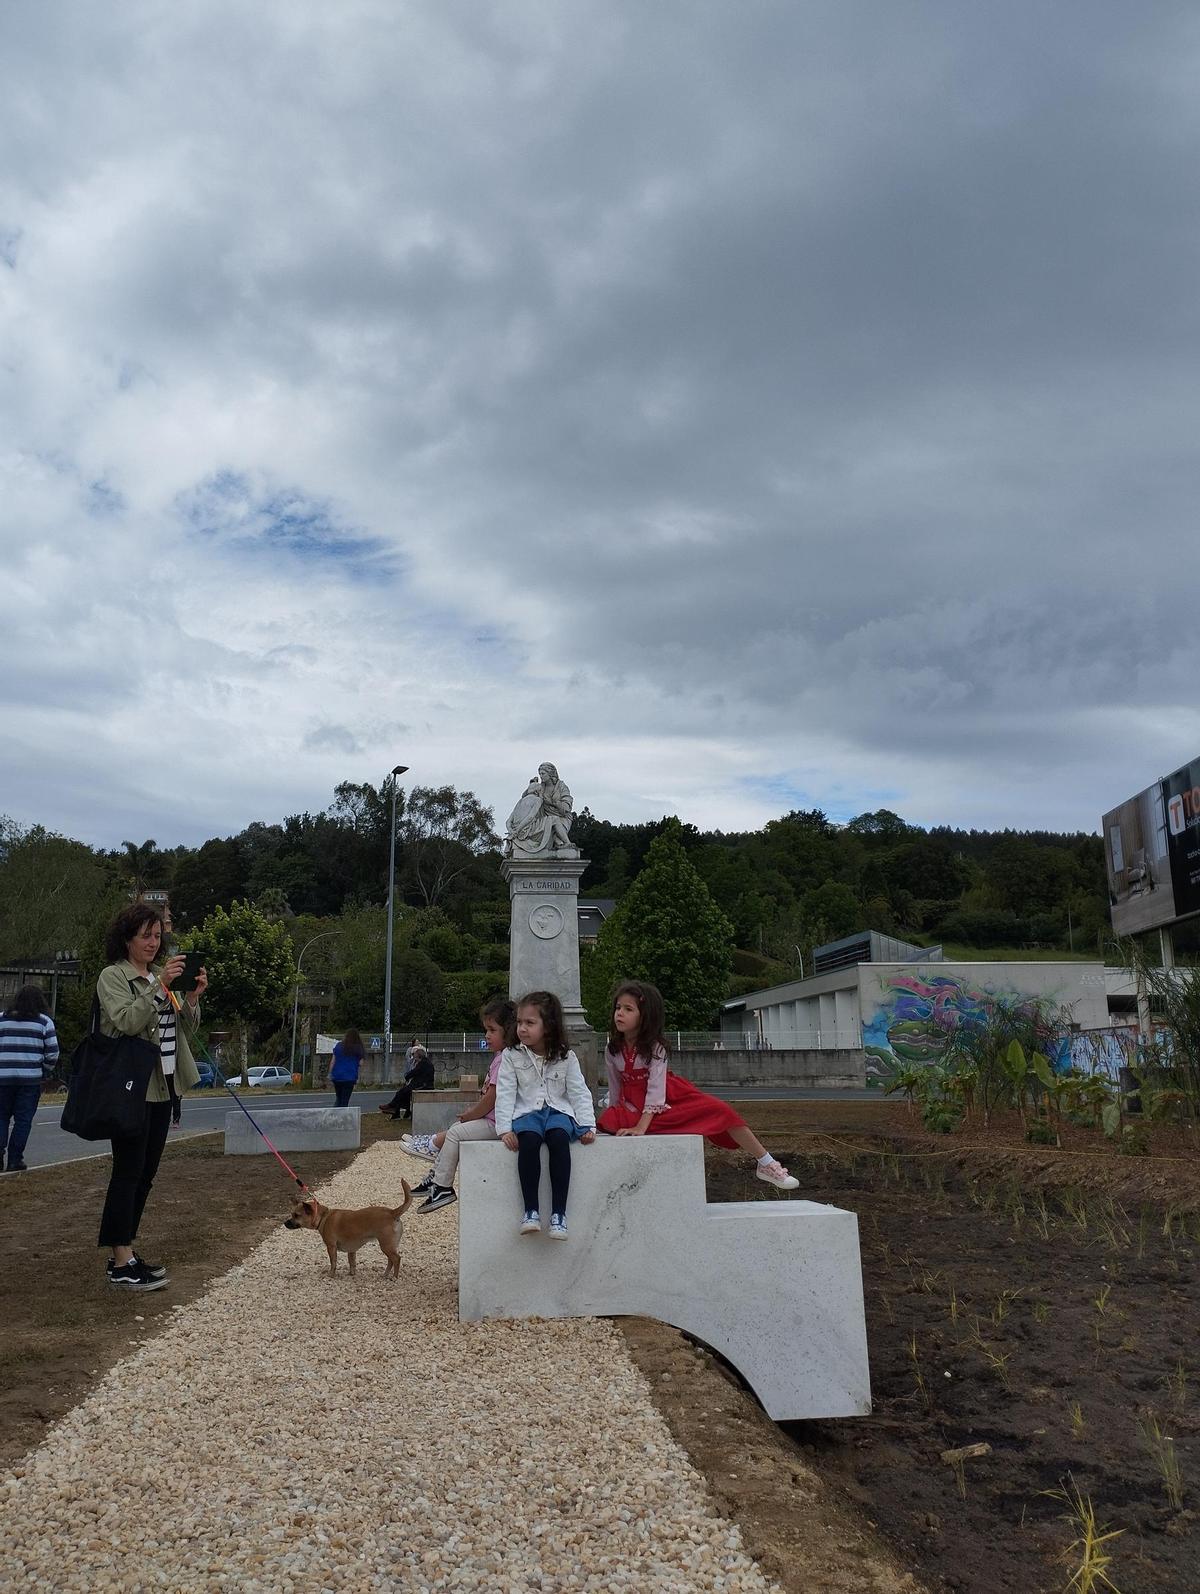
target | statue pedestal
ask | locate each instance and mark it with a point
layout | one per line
(544, 949)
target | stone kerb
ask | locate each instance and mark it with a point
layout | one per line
(775, 1285)
(294, 1129)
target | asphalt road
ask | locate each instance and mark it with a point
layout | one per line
(204, 1112)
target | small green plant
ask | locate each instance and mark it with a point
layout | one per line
(1086, 1554)
(1077, 1422)
(1041, 1217)
(910, 1081)
(1116, 1235)
(940, 1117)
(954, 1307)
(1076, 1208)
(1134, 1141)
(1041, 1311)
(998, 1361)
(1015, 1205)
(1143, 1232)
(1162, 1449)
(1041, 1133)
(1100, 1307)
(1176, 1384)
(914, 1356)
(1003, 1301)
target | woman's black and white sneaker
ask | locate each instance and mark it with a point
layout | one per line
(440, 1196)
(150, 1270)
(132, 1277)
(425, 1186)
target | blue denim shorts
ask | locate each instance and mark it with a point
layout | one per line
(547, 1118)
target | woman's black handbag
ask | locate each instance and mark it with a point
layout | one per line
(110, 1074)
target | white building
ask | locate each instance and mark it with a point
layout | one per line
(900, 1007)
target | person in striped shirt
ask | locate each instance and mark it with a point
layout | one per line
(28, 1052)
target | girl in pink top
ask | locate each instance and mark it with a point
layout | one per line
(499, 1018)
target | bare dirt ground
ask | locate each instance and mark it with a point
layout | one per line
(1043, 1303)
(863, 1505)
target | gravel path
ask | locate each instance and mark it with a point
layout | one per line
(292, 1432)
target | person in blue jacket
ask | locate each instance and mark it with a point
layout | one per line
(347, 1056)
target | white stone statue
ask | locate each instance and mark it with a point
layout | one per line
(539, 825)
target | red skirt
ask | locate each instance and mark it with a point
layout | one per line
(689, 1111)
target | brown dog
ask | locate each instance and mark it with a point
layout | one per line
(349, 1229)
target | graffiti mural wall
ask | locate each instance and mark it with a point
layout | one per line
(910, 1013)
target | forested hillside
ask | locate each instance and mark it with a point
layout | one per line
(798, 881)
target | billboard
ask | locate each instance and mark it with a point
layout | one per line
(1152, 853)
(1181, 799)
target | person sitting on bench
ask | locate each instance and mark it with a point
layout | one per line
(417, 1076)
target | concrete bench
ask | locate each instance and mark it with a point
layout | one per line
(294, 1129)
(774, 1285)
(437, 1109)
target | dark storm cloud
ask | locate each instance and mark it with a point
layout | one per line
(806, 389)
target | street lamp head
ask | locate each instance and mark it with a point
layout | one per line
(400, 769)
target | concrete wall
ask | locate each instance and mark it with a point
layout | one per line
(833, 1068)
(828, 1067)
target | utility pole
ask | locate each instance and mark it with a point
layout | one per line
(400, 769)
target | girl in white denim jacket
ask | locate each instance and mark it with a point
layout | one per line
(541, 1095)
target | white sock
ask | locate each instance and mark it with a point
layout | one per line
(765, 1158)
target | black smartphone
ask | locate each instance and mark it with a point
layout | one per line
(193, 962)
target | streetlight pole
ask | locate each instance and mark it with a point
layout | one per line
(296, 996)
(400, 769)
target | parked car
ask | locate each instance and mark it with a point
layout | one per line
(271, 1075)
(208, 1075)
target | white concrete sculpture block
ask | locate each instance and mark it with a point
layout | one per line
(775, 1285)
(428, 1117)
(293, 1129)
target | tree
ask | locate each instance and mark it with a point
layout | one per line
(141, 864)
(443, 832)
(669, 931)
(52, 890)
(882, 825)
(205, 880)
(250, 968)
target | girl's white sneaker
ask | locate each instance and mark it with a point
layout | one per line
(775, 1173)
(531, 1223)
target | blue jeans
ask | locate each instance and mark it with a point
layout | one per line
(18, 1102)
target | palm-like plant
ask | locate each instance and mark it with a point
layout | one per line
(139, 862)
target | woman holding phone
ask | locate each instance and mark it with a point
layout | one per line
(134, 999)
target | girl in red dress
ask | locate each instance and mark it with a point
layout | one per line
(646, 1098)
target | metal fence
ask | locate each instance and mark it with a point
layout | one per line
(818, 1039)
(683, 1040)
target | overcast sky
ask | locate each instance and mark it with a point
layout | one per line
(746, 406)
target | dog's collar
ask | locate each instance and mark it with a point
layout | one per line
(324, 1219)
